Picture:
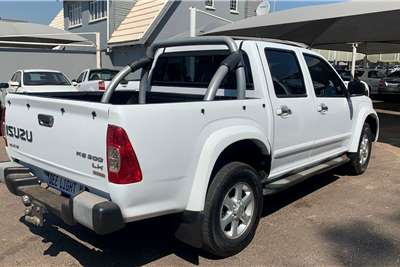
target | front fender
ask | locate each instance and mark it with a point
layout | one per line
(359, 123)
(211, 149)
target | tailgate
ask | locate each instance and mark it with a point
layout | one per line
(63, 137)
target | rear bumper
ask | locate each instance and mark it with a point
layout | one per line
(90, 210)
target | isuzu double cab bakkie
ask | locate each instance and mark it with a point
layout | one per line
(216, 124)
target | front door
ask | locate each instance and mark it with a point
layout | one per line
(332, 108)
(293, 107)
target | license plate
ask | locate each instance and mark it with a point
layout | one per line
(64, 185)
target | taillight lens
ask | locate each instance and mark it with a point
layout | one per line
(102, 86)
(122, 164)
(382, 84)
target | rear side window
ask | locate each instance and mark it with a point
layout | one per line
(325, 81)
(286, 73)
(195, 70)
(105, 75)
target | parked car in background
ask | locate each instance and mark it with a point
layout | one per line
(99, 79)
(209, 133)
(35, 80)
(371, 77)
(38, 81)
(347, 77)
(390, 84)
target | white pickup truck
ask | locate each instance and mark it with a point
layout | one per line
(99, 79)
(217, 123)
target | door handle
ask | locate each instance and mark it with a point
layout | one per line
(284, 111)
(322, 108)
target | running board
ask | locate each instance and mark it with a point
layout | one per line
(285, 182)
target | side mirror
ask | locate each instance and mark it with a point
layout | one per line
(15, 84)
(74, 82)
(357, 88)
(3, 86)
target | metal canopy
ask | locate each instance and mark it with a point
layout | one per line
(371, 24)
(24, 34)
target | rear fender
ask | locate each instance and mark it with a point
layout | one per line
(211, 149)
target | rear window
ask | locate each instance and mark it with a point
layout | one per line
(105, 75)
(195, 70)
(45, 78)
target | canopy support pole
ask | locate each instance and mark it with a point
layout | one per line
(98, 51)
(353, 59)
(192, 21)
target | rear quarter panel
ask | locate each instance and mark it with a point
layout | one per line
(169, 141)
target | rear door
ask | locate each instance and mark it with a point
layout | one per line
(332, 108)
(293, 107)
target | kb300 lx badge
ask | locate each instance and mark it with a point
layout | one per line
(19, 133)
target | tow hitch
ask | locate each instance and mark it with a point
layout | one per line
(34, 212)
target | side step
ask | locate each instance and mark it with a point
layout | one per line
(285, 182)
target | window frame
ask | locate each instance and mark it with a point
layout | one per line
(236, 3)
(298, 64)
(208, 6)
(74, 20)
(97, 10)
(334, 71)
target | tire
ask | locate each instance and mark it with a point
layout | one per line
(359, 161)
(221, 216)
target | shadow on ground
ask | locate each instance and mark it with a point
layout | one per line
(138, 244)
(146, 241)
(389, 131)
(359, 244)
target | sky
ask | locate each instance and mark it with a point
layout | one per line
(44, 11)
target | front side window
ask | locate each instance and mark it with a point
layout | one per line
(13, 78)
(234, 5)
(195, 70)
(286, 73)
(97, 9)
(74, 13)
(45, 78)
(325, 81)
(80, 78)
(209, 3)
(18, 77)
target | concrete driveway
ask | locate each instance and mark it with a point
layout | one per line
(331, 219)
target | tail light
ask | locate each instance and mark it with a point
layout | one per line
(382, 84)
(102, 86)
(123, 166)
(3, 124)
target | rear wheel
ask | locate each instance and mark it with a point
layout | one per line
(232, 210)
(359, 161)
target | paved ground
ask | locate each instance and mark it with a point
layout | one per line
(331, 219)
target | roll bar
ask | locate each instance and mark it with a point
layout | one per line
(233, 61)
